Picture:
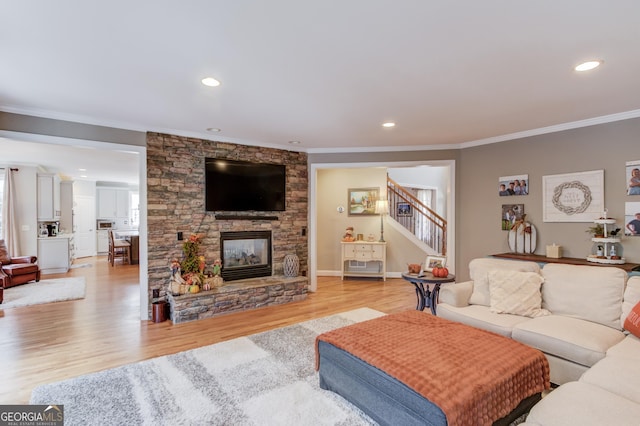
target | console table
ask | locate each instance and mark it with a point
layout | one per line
(358, 255)
(628, 267)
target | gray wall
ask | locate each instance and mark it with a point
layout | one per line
(601, 147)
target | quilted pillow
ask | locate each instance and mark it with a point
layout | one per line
(632, 323)
(515, 292)
(5, 259)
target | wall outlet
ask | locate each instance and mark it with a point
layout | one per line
(180, 236)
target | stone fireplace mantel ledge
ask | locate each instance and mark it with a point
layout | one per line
(237, 295)
(248, 283)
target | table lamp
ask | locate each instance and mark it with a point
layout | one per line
(382, 208)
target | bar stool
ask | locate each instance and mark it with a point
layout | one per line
(118, 249)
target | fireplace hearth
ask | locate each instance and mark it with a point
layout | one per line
(246, 254)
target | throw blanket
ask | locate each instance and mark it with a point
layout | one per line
(474, 376)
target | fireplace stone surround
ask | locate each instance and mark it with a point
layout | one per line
(175, 203)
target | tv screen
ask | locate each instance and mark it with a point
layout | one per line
(232, 185)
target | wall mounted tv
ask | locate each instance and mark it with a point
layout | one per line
(239, 186)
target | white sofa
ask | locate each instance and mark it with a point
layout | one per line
(578, 326)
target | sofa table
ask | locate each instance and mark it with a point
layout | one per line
(427, 297)
(628, 267)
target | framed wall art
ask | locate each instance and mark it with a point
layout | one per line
(510, 214)
(404, 209)
(633, 177)
(362, 201)
(513, 185)
(573, 197)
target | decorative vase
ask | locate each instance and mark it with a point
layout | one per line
(291, 265)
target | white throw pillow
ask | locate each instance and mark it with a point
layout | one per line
(480, 267)
(515, 292)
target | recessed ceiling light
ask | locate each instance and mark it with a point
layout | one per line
(82, 170)
(83, 176)
(213, 129)
(294, 142)
(589, 65)
(389, 124)
(211, 82)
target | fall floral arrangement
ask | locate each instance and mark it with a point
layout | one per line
(189, 275)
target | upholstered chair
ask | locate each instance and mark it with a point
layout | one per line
(17, 270)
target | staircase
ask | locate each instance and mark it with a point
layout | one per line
(417, 218)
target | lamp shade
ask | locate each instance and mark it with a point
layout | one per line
(382, 207)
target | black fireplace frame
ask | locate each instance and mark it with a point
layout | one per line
(252, 271)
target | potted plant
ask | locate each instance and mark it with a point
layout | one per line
(597, 231)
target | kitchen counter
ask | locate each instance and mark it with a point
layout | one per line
(58, 236)
(132, 236)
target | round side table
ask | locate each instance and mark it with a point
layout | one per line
(427, 297)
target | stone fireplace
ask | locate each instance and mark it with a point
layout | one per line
(245, 254)
(176, 205)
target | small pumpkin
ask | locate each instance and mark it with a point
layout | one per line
(440, 272)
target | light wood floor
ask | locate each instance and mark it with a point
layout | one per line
(51, 342)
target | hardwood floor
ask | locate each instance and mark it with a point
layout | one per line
(51, 342)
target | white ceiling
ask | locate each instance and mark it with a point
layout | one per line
(326, 73)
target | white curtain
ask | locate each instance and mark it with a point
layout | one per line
(9, 217)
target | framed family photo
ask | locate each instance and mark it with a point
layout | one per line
(434, 262)
(513, 185)
(404, 209)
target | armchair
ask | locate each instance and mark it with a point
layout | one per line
(17, 270)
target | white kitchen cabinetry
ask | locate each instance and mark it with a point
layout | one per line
(113, 203)
(54, 254)
(48, 197)
(103, 241)
(364, 259)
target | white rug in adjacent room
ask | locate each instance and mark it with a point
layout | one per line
(45, 291)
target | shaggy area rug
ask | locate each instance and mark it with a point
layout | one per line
(263, 379)
(45, 291)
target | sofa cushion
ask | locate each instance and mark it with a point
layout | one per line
(617, 375)
(627, 348)
(480, 317)
(480, 267)
(632, 323)
(515, 292)
(631, 297)
(583, 342)
(16, 269)
(592, 293)
(579, 403)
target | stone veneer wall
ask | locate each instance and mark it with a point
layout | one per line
(175, 202)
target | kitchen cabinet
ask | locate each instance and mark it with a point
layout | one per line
(364, 259)
(113, 203)
(103, 241)
(48, 197)
(54, 254)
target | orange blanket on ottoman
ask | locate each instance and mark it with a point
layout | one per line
(474, 376)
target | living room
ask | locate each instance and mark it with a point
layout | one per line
(504, 121)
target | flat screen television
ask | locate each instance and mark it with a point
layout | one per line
(239, 186)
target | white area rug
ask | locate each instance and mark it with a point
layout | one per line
(45, 291)
(264, 379)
